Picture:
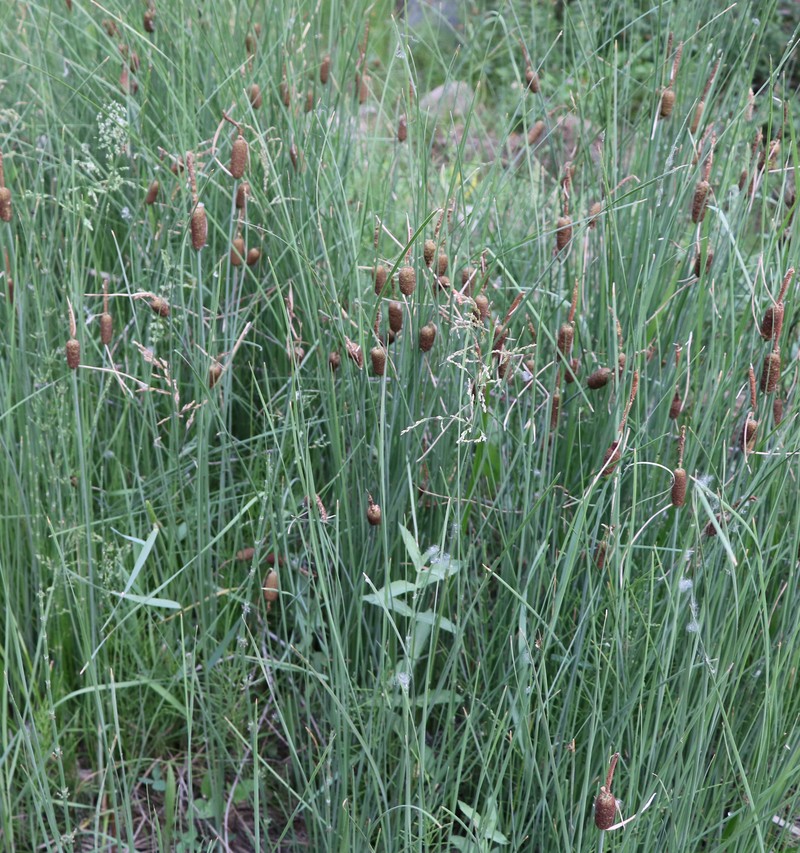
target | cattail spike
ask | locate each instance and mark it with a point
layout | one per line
(752, 377)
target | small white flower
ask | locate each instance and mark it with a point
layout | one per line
(685, 585)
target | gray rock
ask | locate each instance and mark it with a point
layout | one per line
(455, 98)
(433, 12)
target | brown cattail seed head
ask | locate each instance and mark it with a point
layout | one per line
(748, 440)
(378, 356)
(594, 212)
(675, 406)
(254, 94)
(5, 204)
(611, 459)
(325, 69)
(294, 155)
(481, 306)
(697, 263)
(106, 328)
(777, 410)
(443, 281)
(380, 276)
(566, 335)
(531, 80)
(395, 316)
(408, 280)
(468, 276)
(535, 133)
(73, 354)
(427, 335)
(160, 306)
(363, 88)
(605, 809)
(199, 227)
(250, 44)
(334, 360)
(700, 200)
(150, 21)
(569, 375)
(253, 256)
(698, 116)
(555, 410)
(309, 100)
(242, 191)
(402, 129)
(286, 95)
(152, 193)
(442, 264)
(428, 252)
(238, 252)
(678, 487)
(374, 514)
(238, 157)
(667, 102)
(599, 378)
(771, 373)
(772, 323)
(271, 587)
(214, 374)
(563, 232)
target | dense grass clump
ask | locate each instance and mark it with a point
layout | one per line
(345, 363)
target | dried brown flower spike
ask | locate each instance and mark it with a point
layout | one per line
(771, 374)
(238, 252)
(150, 21)
(334, 360)
(667, 102)
(159, 306)
(106, 321)
(73, 346)
(395, 316)
(408, 280)
(380, 276)
(253, 256)
(254, 95)
(242, 192)
(772, 323)
(152, 193)
(199, 227)
(427, 335)
(373, 513)
(325, 69)
(599, 378)
(5, 204)
(271, 588)
(563, 232)
(378, 357)
(238, 157)
(605, 804)
(700, 200)
(679, 474)
(429, 251)
(676, 406)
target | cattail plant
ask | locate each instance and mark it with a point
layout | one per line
(531, 77)
(668, 94)
(468, 276)
(679, 474)
(380, 277)
(564, 222)
(271, 588)
(428, 252)
(152, 193)
(703, 188)
(771, 372)
(777, 411)
(599, 378)
(253, 256)
(555, 403)
(5, 196)
(395, 316)
(242, 192)
(427, 335)
(286, 93)
(149, 20)
(199, 226)
(442, 264)
(160, 306)
(698, 266)
(605, 804)
(374, 516)
(254, 96)
(354, 352)
(238, 157)
(566, 332)
(325, 69)
(481, 311)
(73, 348)
(378, 357)
(309, 100)
(106, 321)
(772, 322)
(214, 373)
(294, 156)
(676, 406)
(701, 104)
(363, 81)
(402, 129)
(238, 252)
(535, 133)
(334, 360)
(407, 278)
(750, 428)
(612, 456)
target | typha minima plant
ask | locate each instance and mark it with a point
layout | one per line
(535, 133)
(334, 360)
(325, 69)
(750, 428)
(599, 378)
(612, 456)
(698, 265)
(702, 189)
(73, 348)
(271, 588)
(566, 332)
(605, 804)
(429, 250)
(254, 96)
(378, 357)
(701, 104)
(354, 352)
(239, 152)
(106, 321)
(198, 224)
(407, 278)
(253, 256)
(238, 251)
(427, 335)
(149, 20)
(402, 129)
(777, 411)
(294, 156)
(667, 103)
(374, 516)
(152, 193)
(5, 196)
(214, 373)
(242, 192)
(160, 306)
(481, 307)
(555, 403)
(676, 406)
(309, 105)
(286, 93)
(771, 372)
(772, 322)
(678, 494)
(564, 222)
(531, 77)
(395, 316)
(379, 277)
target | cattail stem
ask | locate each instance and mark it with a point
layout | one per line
(574, 304)
(631, 398)
(752, 377)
